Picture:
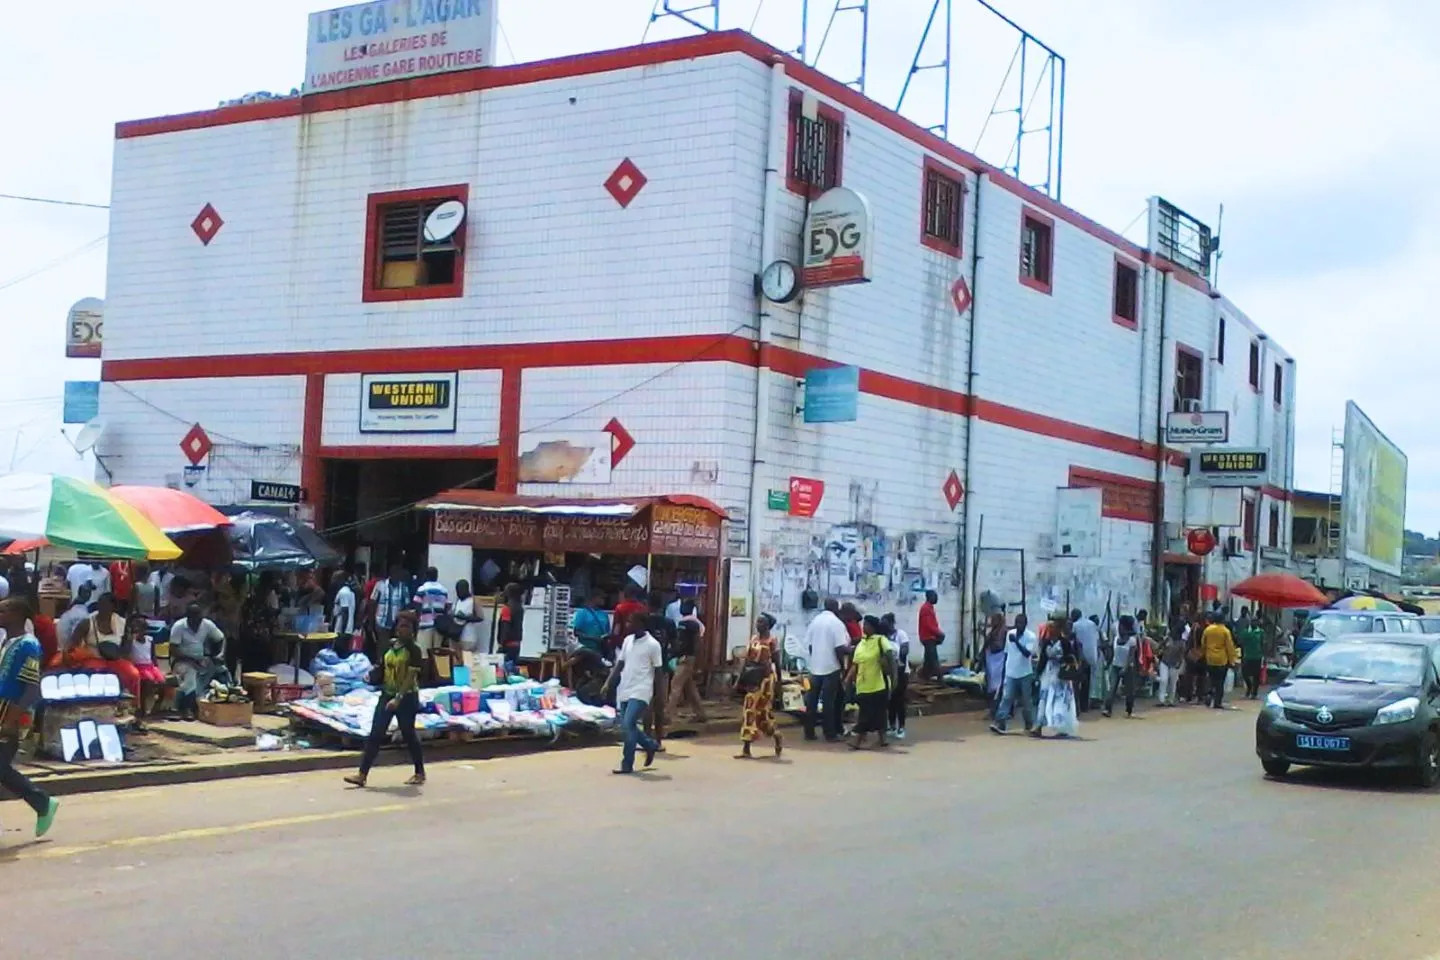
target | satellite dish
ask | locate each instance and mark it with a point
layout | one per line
(444, 220)
(89, 435)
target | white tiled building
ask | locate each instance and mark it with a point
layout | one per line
(619, 212)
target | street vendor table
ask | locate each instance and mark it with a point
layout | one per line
(301, 640)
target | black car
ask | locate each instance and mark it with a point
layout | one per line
(1362, 701)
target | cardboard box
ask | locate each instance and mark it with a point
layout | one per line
(226, 714)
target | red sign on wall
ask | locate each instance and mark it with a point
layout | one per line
(805, 496)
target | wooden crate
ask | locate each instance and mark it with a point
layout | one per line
(226, 714)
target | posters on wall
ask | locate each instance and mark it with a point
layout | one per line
(1373, 497)
(565, 458)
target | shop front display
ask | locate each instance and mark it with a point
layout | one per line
(667, 548)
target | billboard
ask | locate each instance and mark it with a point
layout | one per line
(397, 39)
(1373, 497)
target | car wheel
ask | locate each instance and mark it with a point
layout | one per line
(1427, 774)
(1276, 768)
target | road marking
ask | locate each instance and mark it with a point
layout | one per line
(204, 833)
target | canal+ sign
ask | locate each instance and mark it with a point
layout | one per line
(838, 238)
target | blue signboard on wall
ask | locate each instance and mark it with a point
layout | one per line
(82, 400)
(832, 395)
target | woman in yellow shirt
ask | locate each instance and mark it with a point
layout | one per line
(400, 699)
(872, 668)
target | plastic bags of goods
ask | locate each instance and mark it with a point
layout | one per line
(350, 673)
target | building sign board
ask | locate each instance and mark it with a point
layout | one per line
(664, 529)
(397, 39)
(1232, 466)
(1211, 426)
(265, 491)
(82, 401)
(408, 402)
(832, 395)
(805, 496)
(85, 328)
(838, 239)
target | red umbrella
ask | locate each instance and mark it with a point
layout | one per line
(19, 547)
(173, 511)
(1277, 589)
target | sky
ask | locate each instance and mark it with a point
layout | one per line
(1300, 116)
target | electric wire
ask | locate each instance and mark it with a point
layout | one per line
(53, 202)
(64, 258)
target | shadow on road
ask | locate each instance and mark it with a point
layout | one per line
(1357, 781)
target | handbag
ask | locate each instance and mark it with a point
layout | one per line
(752, 675)
(1070, 672)
(447, 626)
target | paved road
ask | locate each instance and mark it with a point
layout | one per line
(1150, 838)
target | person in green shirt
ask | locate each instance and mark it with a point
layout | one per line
(1251, 635)
(399, 699)
(872, 669)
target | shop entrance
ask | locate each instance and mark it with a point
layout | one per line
(1182, 586)
(371, 503)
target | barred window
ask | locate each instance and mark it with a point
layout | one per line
(401, 261)
(816, 148)
(943, 209)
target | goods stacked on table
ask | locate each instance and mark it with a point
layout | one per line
(529, 708)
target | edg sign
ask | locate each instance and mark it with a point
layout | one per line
(837, 239)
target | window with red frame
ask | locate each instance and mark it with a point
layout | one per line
(1249, 531)
(1274, 525)
(1279, 385)
(817, 148)
(942, 209)
(1127, 294)
(1189, 380)
(1255, 364)
(402, 262)
(1037, 251)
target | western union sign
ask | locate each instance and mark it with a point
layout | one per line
(1232, 468)
(408, 403)
(410, 395)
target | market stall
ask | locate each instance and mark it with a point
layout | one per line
(564, 550)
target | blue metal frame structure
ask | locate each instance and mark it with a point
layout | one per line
(1049, 75)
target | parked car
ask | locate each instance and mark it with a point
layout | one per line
(1324, 624)
(1358, 701)
(1430, 624)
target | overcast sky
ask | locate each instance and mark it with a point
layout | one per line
(1301, 116)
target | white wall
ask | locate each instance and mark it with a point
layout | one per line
(255, 424)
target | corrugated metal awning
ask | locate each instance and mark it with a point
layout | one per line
(488, 501)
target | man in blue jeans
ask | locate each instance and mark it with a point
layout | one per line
(1020, 646)
(640, 661)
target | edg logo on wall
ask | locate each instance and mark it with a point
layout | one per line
(837, 239)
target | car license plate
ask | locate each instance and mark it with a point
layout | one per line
(1307, 741)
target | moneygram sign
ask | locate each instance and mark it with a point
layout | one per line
(1197, 427)
(397, 39)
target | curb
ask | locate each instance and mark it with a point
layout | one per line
(102, 780)
(106, 780)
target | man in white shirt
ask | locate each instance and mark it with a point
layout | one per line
(1087, 636)
(826, 640)
(197, 656)
(77, 576)
(1020, 647)
(640, 658)
(342, 611)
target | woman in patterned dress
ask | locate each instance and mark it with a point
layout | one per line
(759, 716)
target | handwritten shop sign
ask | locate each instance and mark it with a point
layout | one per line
(397, 39)
(673, 531)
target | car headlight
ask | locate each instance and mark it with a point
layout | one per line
(1273, 704)
(1398, 712)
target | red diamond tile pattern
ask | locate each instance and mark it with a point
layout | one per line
(207, 224)
(954, 490)
(960, 295)
(196, 445)
(626, 182)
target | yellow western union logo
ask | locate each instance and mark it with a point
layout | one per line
(410, 395)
